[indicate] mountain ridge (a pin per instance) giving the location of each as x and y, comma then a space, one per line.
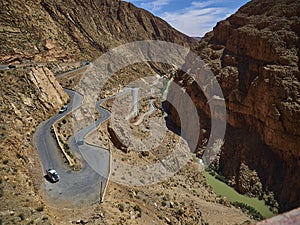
74, 30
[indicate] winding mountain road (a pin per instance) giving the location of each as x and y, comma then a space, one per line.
86, 185
74, 187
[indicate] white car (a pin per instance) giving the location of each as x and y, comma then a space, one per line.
53, 175
63, 109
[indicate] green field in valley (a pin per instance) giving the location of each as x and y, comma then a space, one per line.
220, 188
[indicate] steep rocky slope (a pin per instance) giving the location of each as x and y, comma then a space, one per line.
28, 97
47, 30
255, 56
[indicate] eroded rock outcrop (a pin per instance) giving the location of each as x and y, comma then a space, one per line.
255, 56
49, 91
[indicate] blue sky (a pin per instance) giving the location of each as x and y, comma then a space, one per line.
191, 17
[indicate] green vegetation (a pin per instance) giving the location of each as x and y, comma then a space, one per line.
166, 197
40, 208
232, 195
270, 200
58, 127
180, 212
22, 216
145, 153
67, 150
249, 210
66, 147
137, 208
1, 192
217, 176
121, 207
20, 156
267, 197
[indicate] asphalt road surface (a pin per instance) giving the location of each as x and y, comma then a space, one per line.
74, 187
73, 70
85, 186
3, 67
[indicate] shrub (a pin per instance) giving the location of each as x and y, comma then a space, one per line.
137, 208
40, 208
270, 200
166, 197
20, 156
22, 216
121, 207
145, 153
249, 210
180, 212
1, 193
66, 146
221, 178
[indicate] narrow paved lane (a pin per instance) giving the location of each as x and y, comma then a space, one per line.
87, 184
74, 187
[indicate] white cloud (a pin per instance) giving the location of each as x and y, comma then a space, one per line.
198, 18
155, 5
202, 4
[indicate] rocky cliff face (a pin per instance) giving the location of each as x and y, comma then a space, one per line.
28, 96
255, 56
48, 30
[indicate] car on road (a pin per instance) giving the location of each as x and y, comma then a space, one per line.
80, 142
11, 66
63, 109
52, 175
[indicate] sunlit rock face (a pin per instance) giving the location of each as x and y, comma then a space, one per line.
47, 30
255, 56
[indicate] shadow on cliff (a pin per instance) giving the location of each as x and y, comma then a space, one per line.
243, 149
169, 120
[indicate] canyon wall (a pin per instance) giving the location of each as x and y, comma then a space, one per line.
254, 54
